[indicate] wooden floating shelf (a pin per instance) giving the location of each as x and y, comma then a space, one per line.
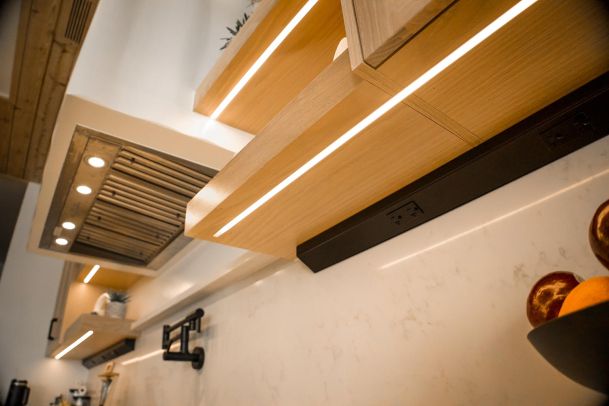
106, 332
542, 55
303, 55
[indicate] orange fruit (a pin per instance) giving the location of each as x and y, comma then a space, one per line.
586, 294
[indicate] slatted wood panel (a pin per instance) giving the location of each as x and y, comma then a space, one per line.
141, 206
137, 209
49, 39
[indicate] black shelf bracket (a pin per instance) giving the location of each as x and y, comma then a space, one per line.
190, 323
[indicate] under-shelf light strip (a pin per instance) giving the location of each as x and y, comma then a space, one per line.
384, 108
74, 344
91, 274
263, 57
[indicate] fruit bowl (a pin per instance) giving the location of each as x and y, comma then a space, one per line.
577, 344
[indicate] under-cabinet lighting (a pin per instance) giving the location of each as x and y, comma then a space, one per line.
96, 162
61, 241
384, 108
68, 225
263, 57
84, 189
91, 273
143, 357
74, 344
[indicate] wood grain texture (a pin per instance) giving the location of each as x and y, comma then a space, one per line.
44, 59
391, 153
547, 53
299, 59
386, 25
526, 65
109, 278
328, 89
39, 37
106, 332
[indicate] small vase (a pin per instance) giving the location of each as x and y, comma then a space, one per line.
116, 310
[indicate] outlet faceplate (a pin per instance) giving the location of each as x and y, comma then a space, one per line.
403, 214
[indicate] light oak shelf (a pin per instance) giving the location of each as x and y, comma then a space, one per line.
106, 332
550, 50
299, 59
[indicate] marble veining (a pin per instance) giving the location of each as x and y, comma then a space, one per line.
434, 316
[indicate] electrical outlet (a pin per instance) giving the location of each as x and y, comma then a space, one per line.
404, 213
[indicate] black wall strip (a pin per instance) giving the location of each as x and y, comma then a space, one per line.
114, 351
567, 125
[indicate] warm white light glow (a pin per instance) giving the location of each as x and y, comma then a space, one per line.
91, 274
388, 105
84, 189
61, 241
74, 344
68, 225
263, 57
142, 357
96, 162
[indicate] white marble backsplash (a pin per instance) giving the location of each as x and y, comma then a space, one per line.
435, 316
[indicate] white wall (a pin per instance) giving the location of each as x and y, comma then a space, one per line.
28, 289
9, 22
435, 316
146, 58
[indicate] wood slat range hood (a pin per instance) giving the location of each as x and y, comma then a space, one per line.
546, 52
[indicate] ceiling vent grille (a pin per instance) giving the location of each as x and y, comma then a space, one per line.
74, 19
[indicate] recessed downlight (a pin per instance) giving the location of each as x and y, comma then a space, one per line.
68, 225
84, 189
96, 162
61, 241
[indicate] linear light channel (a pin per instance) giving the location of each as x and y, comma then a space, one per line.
263, 57
384, 108
91, 274
74, 344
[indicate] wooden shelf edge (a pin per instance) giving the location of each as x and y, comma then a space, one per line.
106, 332
328, 89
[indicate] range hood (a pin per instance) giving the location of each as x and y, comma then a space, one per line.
134, 213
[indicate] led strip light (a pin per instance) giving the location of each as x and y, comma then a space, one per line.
74, 344
91, 274
263, 58
384, 108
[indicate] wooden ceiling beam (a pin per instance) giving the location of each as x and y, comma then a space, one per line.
44, 59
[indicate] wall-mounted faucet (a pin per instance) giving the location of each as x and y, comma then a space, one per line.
186, 325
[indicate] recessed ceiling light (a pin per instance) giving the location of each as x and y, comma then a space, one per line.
61, 241
96, 162
84, 189
68, 225
91, 274
384, 108
263, 57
